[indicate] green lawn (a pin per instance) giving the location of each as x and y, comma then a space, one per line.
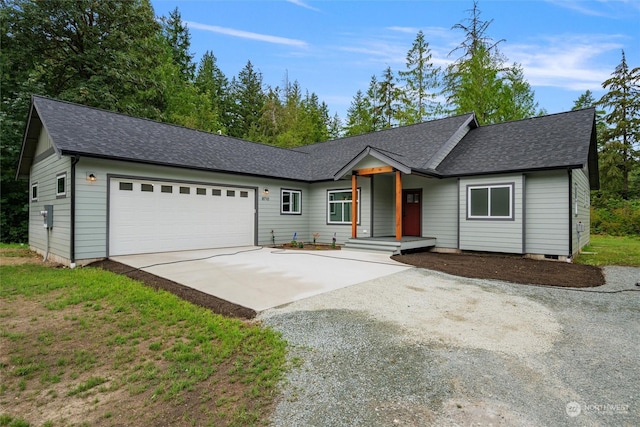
611, 250
125, 354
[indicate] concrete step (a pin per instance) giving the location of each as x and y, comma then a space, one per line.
373, 246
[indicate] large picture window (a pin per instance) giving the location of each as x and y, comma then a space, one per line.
290, 202
490, 201
340, 206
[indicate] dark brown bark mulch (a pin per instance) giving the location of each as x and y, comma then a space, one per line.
508, 268
194, 296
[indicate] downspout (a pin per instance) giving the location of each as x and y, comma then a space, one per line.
570, 215
524, 213
72, 215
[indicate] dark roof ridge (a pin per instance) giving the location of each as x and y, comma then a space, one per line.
537, 117
119, 113
386, 130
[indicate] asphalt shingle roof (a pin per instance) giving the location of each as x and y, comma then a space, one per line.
555, 141
547, 142
81, 130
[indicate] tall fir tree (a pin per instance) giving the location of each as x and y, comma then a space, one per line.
390, 98
620, 154
479, 80
211, 82
249, 98
421, 81
178, 37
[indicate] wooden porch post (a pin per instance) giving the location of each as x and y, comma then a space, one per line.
398, 206
354, 205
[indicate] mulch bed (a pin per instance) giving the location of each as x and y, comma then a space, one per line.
509, 268
194, 296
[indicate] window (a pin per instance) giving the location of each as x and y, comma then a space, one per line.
146, 188
244, 194
490, 202
216, 192
339, 206
166, 189
185, 190
201, 191
61, 185
34, 191
126, 186
290, 202
231, 193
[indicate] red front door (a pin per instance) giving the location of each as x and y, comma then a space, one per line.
411, 212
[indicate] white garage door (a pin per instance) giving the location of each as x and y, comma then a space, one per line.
152, 216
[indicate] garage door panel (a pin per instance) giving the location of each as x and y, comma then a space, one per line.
157, 221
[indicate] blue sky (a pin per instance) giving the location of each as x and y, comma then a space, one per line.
333, 47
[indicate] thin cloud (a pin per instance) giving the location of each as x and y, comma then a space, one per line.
616, 9
566, 61
303, 4
409, 30
247, 34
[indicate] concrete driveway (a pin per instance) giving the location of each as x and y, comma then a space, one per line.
262, 278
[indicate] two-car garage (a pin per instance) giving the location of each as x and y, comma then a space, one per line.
147, 216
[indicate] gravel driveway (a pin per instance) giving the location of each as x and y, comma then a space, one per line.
425, 348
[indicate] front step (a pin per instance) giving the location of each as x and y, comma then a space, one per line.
383, 246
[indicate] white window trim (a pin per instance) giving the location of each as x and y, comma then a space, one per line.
58, 178
35, 185
330, 205
291, 192
510, 186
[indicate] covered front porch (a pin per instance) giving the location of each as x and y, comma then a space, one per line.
389, 244
395, 214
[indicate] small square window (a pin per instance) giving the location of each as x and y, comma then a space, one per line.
201, 191
34, 191
61, 185
126, 186
146, 188
490, 202
216, 192
166, 189
185, 190
231, 193
244, 194
290, 202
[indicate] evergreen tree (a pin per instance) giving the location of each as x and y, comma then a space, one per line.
390, 98
620, 154
518, 99
373, 100
179, 39
211, 81
420, 83
249, 98
358, 116
103, 54
479, 81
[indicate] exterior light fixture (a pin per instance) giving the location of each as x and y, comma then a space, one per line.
265, 192
91, 177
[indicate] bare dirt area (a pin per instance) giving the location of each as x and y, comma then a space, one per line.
194, 296
508, 268
17, 256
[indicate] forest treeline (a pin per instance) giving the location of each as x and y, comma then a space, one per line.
119, 56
